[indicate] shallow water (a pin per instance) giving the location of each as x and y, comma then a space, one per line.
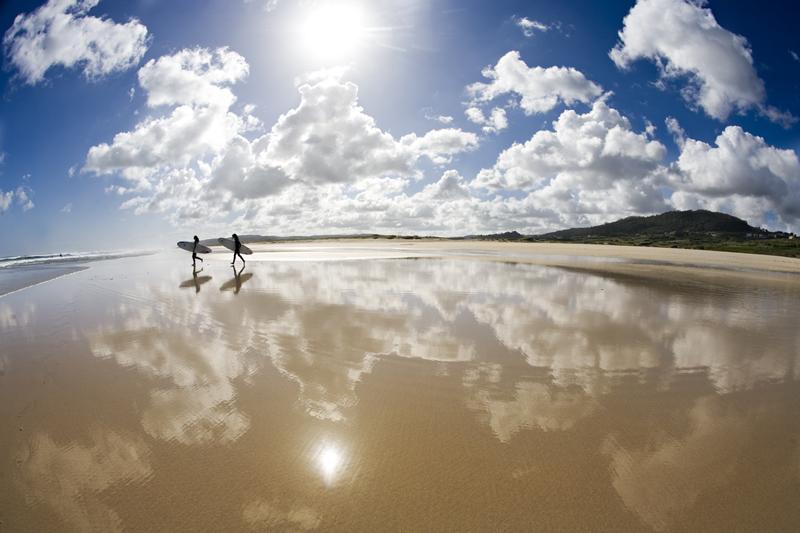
429, 394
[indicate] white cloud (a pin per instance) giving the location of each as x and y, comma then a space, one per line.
529, 27
196, 160
794, 55
685, 40
60, 33
443, 119
6, 198
326, 166
196, 81
540, 89
193, 76
495, 122
588, 169
22, 196
741, 174
441, 145
675, 129
593, 149
67, 208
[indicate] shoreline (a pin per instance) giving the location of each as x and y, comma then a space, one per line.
16, 279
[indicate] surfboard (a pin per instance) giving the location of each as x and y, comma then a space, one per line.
229, 244
189, 246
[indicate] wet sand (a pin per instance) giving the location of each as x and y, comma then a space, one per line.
18, 278
420, 386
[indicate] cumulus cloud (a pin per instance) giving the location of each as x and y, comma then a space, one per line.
740, 174
196, 158
540, 89
591, 163
685, 40
196, 81
493, 123
61, 33
193, 76
441, 145
328, 165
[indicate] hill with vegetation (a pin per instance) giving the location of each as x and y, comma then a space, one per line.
704, 230
670, 223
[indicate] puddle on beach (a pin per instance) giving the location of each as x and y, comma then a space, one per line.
397, 394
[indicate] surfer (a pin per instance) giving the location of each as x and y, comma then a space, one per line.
194, 252
237, 249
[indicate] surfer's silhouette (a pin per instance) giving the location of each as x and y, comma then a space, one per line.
194, 252
237, 249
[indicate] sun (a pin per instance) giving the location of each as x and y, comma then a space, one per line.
332, 30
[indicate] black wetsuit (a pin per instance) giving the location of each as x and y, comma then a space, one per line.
237, 247
194, 253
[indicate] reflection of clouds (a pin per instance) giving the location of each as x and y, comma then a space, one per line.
17, 316
270, 516
535, 405
662, 483
167, 342
69, 477
584, 328
749, 358
324, 325
327, 349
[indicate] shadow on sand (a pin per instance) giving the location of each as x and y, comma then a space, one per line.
236, 282
195, 282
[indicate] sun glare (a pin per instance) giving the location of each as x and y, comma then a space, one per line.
333, 30
330, 461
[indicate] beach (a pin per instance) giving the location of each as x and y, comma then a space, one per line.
414, 385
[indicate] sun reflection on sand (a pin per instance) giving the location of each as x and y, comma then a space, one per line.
329, 458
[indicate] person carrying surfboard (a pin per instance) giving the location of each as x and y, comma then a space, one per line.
237, 249
194, 251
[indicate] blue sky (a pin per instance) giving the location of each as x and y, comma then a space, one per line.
297, 117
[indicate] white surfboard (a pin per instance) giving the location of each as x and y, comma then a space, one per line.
189, 246
230, 245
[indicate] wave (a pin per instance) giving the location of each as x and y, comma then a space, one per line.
51, 259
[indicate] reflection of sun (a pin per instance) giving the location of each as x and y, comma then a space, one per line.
332, 30
330, 461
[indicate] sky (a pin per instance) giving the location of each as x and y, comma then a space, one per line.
133, 124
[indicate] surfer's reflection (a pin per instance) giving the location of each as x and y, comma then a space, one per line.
196, 281
236, 282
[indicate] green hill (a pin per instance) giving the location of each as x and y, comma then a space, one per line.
680, 223
704, 230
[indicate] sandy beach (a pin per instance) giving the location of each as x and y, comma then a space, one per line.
403, 385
